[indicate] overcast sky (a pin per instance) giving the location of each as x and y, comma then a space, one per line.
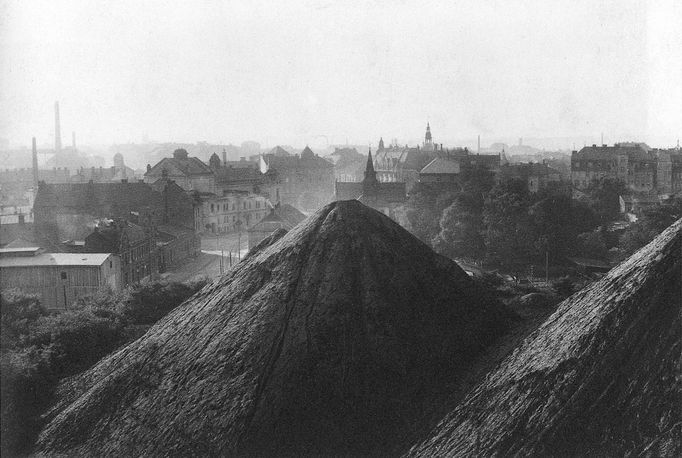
294, 72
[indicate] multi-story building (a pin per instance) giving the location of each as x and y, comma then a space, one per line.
231, 212
305, 181
68, 211
134, 245
642, 169
190, 173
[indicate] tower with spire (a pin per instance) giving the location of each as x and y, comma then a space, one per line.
381, 144
428, 140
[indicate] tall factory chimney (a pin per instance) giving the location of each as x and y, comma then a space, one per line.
35, 164
478, 150
73, 140
57, 129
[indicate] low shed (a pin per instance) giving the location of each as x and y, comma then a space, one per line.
59, 278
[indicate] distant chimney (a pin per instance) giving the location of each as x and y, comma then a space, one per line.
57, 129
478, 151
35, 164
73, 139
224, 156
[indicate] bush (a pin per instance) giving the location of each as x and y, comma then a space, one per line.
18, 311
150, 302
39, 349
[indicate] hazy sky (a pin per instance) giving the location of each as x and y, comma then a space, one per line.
291, 72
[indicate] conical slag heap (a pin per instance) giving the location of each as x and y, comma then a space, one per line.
600, 378
323, 341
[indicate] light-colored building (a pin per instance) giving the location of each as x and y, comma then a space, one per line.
231, 212
59, 278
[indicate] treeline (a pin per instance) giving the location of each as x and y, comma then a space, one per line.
39, 348
505, 225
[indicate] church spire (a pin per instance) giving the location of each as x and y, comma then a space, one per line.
427, 137
381, 144
370, 173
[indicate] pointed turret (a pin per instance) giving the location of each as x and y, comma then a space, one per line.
381, 144
427, 137
370, 173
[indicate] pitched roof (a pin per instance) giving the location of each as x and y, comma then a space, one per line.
90, 196
297, 163
279, 151
634, 152
441, 166
286, 214
56, 259
188, 167
228, 174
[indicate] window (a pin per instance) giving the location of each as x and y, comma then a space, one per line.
212, 209
63, 275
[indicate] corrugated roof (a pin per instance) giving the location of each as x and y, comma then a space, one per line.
56, 259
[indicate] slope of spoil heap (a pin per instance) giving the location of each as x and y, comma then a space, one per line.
601, 377
324, 340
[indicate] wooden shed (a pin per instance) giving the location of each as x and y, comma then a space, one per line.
59, 278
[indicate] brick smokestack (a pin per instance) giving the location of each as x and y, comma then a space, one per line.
35, 164
57, 129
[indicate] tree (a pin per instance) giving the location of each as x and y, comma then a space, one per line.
424, 208
604, 198
652, 222
461, 225
509, 235
592, 245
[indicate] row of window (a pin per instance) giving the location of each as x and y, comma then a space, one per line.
215, 208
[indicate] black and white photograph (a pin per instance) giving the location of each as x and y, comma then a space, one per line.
318, 228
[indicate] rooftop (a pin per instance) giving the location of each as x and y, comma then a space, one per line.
56, 259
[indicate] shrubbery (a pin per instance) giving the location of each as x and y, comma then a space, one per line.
40, 348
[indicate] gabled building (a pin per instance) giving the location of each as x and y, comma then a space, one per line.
134, 245
68, 211
306, 181
279, 217
441, 170
385, 197
190, 173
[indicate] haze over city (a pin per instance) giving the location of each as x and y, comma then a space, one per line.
315, 72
